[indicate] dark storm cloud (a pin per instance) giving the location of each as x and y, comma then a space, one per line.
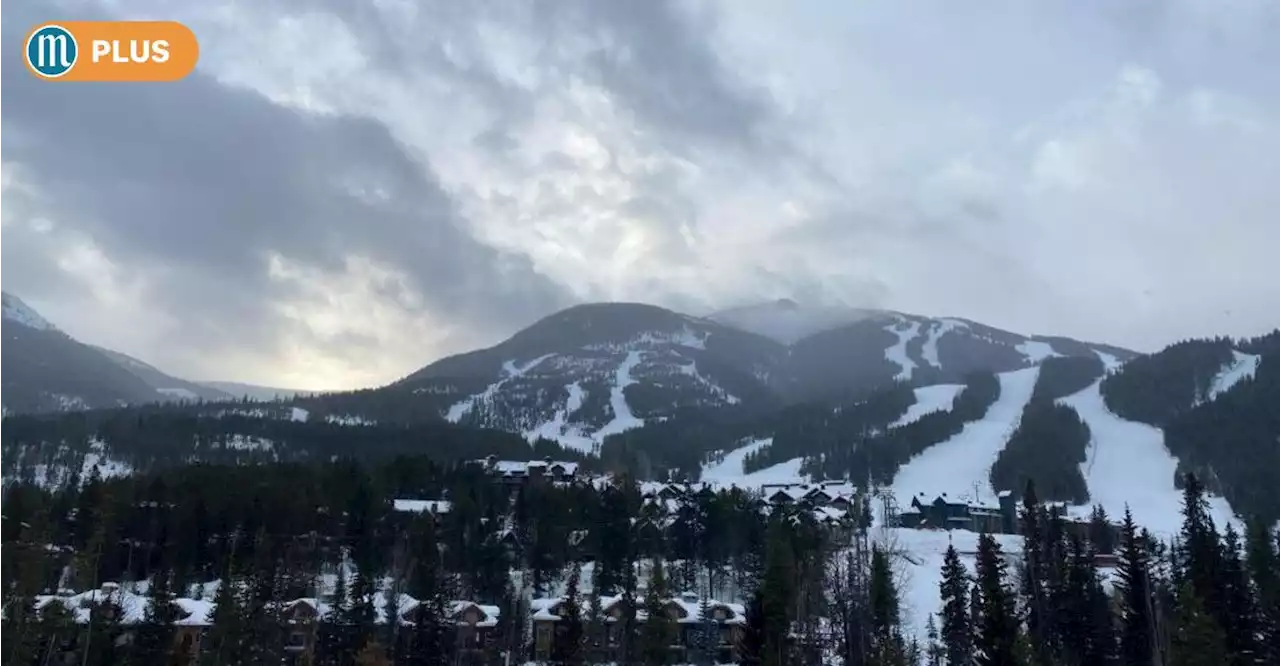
200, 183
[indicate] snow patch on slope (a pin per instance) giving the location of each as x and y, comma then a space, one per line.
1036, 350
1128, 464
1242, 365
691, 369
961, 466
897, 354
623, 419
929, 399
728, 468
930, 350
180, 393
299, 414
19, 312
559, 429
510, 370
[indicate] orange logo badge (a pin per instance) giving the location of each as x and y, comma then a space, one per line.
111, 51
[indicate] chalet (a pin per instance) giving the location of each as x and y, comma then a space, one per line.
950, 514
192, 617
686, 612
517, 472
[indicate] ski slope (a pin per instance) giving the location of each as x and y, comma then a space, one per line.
1128, 464
929, 399
897, 354
623, 419
1036, 351
511, 371
728, 469
1242, 365
930, 350
961, 466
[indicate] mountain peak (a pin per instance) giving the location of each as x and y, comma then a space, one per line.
19, 312
787, 321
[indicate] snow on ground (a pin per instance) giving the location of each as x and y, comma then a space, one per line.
348, 420
180, 393
918, 564
1109, 362
1128, 464
691, 369
783, 472
510, 370
248, 443
930, 350
558, 428
1036, 351
929, 399
728, 469
961, 466
898, 352
299, 414
623, 419
16, 310
1242, 365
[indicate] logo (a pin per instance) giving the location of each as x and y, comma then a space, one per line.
51, 51
111, 51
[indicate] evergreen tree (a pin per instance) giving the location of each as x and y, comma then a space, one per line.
1264, 570
752, 644
957, 631
998, 635
1197, 639
155, 637
887, 645
567, 648
1133, 585
935, 654
778, 590
1239, 610
658, 630
1034, 576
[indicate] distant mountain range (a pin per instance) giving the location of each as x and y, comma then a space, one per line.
47, 370
774, 391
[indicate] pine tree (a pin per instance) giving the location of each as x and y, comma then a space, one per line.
658, 632
567, 648
998, 633
887, 645
957, 632
1034, 577
1137, 622
1239, 610
936, 652
155, 637
778, 591
1197, 639
752, 644
1264, 571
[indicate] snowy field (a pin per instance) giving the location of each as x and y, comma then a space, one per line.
929, 399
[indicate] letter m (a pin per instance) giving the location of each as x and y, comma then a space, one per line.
52, 51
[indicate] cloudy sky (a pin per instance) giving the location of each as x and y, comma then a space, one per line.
347, 189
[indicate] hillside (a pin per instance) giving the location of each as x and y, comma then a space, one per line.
592, 371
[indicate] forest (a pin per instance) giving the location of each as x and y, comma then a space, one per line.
257, 541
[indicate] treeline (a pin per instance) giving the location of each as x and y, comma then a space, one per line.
1156, 388
164, 438
814, 429
879, 456
1233, 441
1207, 598
1051, 440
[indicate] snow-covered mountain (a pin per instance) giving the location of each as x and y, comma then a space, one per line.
595, 370
47, 370
18, 311
787, 321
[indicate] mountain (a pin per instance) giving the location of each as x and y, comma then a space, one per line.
787, 321
595, 370
167, 385
48, 370
252, 391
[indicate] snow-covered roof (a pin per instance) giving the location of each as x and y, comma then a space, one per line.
133, 606
688, 607
521, 467
418, 506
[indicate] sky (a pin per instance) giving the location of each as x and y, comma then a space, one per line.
345, 190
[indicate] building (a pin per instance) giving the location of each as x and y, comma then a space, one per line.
952, 514
685, 612
520, 472
192, 617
